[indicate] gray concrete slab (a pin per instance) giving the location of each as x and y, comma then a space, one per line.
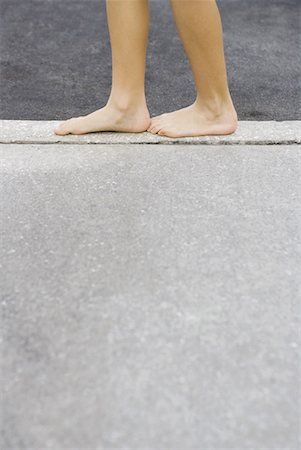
248, 132
150, 297
55, 59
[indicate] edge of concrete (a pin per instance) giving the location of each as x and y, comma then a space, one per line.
248, 132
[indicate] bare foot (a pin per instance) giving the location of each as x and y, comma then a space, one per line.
195, 120
132, 119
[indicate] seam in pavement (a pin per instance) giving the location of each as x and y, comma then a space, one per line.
247, 133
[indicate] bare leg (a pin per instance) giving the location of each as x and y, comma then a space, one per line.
126, 108
200, 29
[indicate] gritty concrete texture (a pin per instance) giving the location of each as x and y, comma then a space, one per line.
248, 132
150, 297
56, 61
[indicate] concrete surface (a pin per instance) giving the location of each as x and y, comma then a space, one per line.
55, 59
150, 297
248, 132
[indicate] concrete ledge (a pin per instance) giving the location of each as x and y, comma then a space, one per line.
248, 132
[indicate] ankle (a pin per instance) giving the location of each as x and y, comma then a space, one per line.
216, 105
125, 102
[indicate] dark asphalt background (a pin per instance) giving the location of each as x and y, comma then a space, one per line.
55, 59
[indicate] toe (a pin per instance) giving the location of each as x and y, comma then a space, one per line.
168, 132
152, 127
63, 128
153, 123
59, 130
156, 128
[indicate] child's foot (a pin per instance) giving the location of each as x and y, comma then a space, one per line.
195, 120
132, 119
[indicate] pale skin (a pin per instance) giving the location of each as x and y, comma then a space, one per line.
200, 29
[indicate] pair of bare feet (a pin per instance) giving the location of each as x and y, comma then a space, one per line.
194, 120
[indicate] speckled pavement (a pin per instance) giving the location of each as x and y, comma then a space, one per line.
55, 59
149, 297
248, 132
150, 294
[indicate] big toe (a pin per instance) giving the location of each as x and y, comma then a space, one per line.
64, 128
168, 132
61, 130
155, 126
